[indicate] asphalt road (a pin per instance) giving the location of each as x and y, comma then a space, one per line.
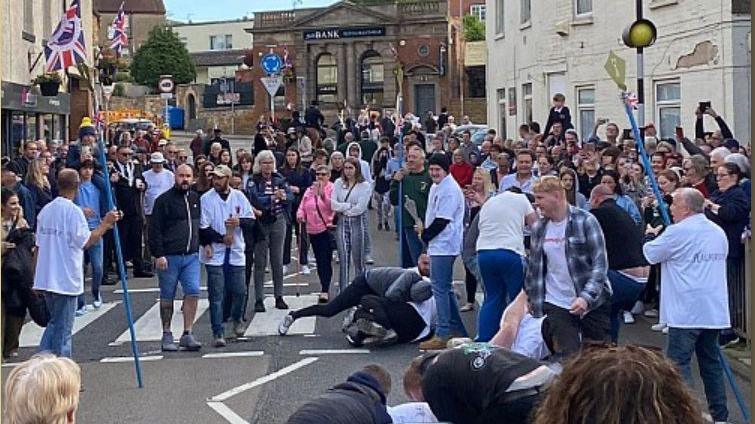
267, 379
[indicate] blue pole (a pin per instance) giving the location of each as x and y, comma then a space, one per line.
401, 200
121, 265
666, 220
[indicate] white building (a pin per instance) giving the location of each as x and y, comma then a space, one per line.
537, 48
216, 47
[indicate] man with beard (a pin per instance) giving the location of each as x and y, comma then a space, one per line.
174, 242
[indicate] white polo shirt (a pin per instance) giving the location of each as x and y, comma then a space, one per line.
692, 254
446, 201
501, 222
157, 184
62, 233
215, 211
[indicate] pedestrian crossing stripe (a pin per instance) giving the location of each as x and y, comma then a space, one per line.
31, 333
149, 327
266, 323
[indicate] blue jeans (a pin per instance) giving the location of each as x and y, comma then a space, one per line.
626, 291
57, 336
183, 268
682, 342
441, 274
217, 284
502, 273
412, 248
93, 256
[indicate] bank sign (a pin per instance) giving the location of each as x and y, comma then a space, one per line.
336, 33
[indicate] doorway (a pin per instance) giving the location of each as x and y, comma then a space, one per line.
424, 99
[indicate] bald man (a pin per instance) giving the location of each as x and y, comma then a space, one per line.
627, 268
62, 236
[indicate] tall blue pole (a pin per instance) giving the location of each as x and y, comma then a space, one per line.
119, 259
400, 210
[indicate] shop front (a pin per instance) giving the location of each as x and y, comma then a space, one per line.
27, 115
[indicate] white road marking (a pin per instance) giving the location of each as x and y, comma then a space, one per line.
262, 380
269, 285
117, 359
148, 290
149, 327
31, 333
332, 351
266, 323
227, 413
251, 353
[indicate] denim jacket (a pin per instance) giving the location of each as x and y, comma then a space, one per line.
585, 255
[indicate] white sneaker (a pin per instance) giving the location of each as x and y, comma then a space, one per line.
658, 327
638, 308
628, 317
665, 330
285, 269
651, 313
82, 311
305, 270
285, 324
97, 303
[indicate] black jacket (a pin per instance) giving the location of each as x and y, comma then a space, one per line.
623, 237
128, 197
313, 117
563, 116
732, 217
171, 231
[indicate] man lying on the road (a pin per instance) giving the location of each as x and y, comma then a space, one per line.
395, 284
520, 331
381, 321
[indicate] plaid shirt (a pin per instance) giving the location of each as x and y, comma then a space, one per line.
585, 255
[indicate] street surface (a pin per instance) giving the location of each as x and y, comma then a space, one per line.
260, 378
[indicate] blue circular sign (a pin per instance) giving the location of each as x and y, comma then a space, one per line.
271, 63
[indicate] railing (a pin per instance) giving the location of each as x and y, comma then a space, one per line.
739, 296
280, 19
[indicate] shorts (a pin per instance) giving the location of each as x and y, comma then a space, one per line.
183, 268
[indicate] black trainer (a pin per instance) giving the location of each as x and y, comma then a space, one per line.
280, 304
259, 306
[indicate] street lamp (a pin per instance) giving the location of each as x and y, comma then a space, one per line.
640, 34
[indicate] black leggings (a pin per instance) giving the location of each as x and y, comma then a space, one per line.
399, 316
470, 281
321, 245
348, 298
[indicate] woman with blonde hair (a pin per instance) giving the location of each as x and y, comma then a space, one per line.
476, 195
39, 185
44, 389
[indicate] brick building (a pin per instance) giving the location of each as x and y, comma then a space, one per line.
356, 53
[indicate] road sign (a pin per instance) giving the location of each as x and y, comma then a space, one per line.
166, 84
616, 68
166, 96
271, 63
272, 84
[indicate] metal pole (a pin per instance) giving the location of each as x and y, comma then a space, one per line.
272, 108
640, 80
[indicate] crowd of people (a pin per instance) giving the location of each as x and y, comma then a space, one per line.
565, 237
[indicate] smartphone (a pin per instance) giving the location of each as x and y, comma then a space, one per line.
704, 106
679, 133
627, 134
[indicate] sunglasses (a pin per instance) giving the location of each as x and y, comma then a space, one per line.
183, 157
322, 174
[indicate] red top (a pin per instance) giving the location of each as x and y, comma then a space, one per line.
462, 173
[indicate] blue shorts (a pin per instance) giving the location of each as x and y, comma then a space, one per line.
183, 268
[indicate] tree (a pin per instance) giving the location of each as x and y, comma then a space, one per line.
162, 53
474, 28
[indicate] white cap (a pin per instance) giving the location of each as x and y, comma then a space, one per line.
156, 157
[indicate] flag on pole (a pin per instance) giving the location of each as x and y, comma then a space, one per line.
66, 46
118, 37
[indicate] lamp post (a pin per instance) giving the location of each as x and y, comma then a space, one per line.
640, 34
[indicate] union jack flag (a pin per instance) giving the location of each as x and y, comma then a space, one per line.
118, 37
66, 46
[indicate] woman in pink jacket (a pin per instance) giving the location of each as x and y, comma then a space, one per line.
315, 210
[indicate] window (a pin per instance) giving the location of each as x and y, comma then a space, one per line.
586, 111
668, 107
29, 16
499, 16
478, 10
527, 104
372, 78
221, 42
228, 41
512, 101
582, 7
501, 96
476, 81
526, 11
326, 89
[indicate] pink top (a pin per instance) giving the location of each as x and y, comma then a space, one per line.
308, 209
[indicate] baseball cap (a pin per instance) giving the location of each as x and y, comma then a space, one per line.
222, 171
162, 142
157, 157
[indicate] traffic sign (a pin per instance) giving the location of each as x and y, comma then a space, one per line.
272, 84
617, 69
166, 96
271, 63
166, 84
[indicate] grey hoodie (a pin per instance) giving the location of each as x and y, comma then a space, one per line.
398, 284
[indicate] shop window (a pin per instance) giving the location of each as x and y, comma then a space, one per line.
326, 89
372, 78
476, 81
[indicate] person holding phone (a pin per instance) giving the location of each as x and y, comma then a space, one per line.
718, 137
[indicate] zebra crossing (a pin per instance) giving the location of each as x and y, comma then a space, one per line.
148, 325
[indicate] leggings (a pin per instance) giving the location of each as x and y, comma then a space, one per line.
348, 298
302, 238
351, 236
383, 207
470, 281
323, 257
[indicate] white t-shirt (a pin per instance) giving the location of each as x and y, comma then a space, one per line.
511, 180
62, 233
157, 184
411, 413
529, 339
446, 201
559, 286
427, 311
501, 222
215, 211
692, 254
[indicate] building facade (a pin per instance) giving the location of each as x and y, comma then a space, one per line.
141, 17
360, 54
26, 114
537, 48
216, 47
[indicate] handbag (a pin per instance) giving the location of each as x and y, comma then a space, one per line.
331, 237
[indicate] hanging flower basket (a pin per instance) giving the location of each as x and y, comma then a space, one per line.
49, 83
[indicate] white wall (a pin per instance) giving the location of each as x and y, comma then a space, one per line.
529, 54
197, 35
